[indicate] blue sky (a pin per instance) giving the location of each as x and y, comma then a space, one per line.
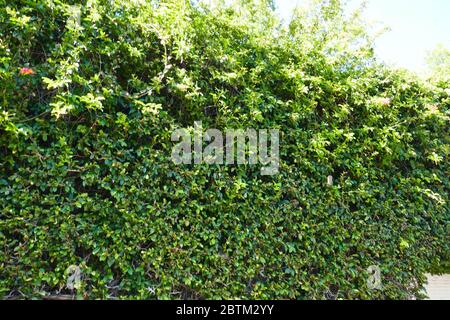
417, 26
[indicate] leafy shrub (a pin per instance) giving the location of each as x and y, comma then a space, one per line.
86, 177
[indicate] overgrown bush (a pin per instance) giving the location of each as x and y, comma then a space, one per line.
90, 93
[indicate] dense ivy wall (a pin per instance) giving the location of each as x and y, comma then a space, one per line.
89, 97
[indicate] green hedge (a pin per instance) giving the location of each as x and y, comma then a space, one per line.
86, 177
